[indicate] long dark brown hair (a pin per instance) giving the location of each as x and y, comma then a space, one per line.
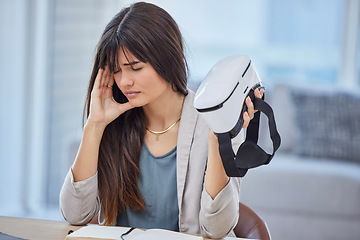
152, 36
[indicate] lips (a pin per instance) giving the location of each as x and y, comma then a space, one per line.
131, 94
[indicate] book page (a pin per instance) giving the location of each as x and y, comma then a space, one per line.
161, 234
101, 233
114, 233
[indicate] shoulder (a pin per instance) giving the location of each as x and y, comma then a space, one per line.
191, 124
189, 114
189, 101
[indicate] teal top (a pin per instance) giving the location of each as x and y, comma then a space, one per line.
157, 184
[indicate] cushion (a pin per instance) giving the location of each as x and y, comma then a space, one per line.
300, 185
328, 123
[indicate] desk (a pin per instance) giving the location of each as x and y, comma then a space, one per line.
36, 229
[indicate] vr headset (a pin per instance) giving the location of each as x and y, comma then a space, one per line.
220, 100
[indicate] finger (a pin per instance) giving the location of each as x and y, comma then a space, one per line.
258, 93
98, 78
246, 120
109, 80
262, 92
105, 78
250, 107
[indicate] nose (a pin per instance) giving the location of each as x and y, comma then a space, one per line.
123, 79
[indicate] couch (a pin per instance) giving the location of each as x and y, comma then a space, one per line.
311, 188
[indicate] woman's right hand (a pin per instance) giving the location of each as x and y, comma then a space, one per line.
103, 107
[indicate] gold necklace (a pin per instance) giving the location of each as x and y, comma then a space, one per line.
158, 133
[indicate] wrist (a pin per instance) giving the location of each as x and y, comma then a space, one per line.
213, 141
95, 126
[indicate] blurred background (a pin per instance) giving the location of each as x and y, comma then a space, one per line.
46, 55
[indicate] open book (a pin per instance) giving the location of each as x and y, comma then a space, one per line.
114, 233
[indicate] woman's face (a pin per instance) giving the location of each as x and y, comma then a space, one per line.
138, 81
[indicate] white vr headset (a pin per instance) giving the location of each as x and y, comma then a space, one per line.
220, 100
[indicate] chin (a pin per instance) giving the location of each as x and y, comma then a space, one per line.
137, 103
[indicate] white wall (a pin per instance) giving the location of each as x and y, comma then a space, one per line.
13, 70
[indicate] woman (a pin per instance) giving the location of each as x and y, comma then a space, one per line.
146, 159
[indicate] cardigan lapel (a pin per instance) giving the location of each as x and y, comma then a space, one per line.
187, 125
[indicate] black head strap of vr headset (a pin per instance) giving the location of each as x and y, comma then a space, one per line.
249, 154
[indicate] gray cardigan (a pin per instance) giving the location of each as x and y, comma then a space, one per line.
198, 212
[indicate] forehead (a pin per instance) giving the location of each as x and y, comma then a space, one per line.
125, 56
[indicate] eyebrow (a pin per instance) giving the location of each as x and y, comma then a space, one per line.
131, 63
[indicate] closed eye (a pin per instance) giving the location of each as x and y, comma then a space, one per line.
132, 64
136, 69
